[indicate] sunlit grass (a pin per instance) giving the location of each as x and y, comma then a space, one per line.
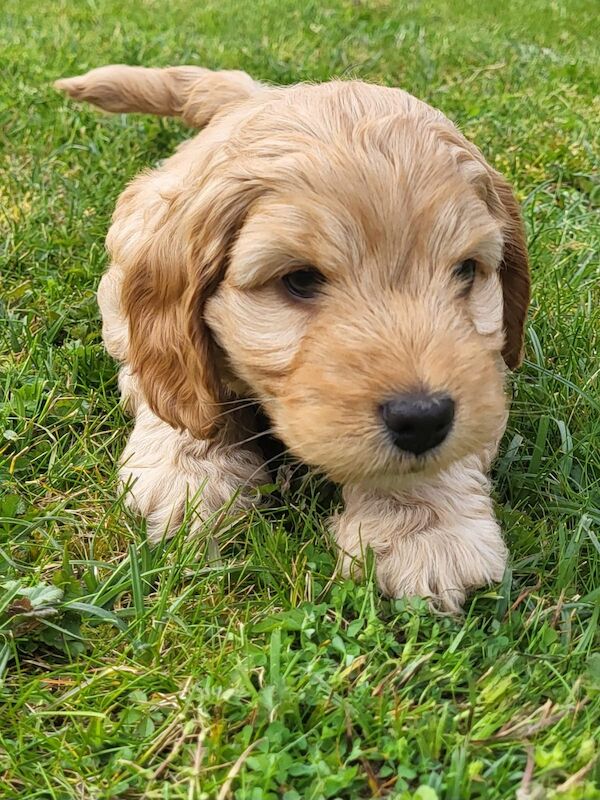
182, 673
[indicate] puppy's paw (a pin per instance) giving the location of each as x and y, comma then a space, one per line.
420, 551
162, 494
165, 472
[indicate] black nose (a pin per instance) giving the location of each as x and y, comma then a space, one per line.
418, 422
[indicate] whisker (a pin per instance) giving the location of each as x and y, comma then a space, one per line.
266, 463
236, 400
240, 407
268, 432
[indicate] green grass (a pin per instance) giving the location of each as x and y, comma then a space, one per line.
130, 673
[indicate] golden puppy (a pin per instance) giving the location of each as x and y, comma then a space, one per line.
341, 254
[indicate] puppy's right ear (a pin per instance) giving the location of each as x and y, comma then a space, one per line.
169, 272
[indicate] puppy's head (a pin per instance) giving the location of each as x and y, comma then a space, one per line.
342, 254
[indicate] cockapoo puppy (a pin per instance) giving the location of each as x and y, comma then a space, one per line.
342, 255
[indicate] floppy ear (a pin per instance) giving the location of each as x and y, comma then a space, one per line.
514, 269
168, 278
514, 272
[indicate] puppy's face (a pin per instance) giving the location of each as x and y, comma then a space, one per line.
342, 310
361, 295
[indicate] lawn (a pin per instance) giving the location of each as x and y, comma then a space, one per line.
127, 672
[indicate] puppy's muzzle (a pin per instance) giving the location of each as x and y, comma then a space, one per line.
418, 422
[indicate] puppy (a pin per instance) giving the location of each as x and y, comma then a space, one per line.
343, 256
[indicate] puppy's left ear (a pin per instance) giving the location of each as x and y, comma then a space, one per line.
514, 271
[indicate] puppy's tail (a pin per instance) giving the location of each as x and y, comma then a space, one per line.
192, 93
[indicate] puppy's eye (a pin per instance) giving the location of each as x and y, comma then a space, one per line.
303, 284
465, 272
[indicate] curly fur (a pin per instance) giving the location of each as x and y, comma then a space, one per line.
384, 195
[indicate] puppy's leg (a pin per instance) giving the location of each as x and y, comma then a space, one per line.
436, 539
164, 469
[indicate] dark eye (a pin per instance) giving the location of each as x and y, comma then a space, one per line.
465, 272
303, 283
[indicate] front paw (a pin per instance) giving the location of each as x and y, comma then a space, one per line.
163, 494
421, 553
443, 565
166, 477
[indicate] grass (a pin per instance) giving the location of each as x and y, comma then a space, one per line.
129, 672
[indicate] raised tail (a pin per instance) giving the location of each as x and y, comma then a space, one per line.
193, 93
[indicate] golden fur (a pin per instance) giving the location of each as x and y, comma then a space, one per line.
384, 195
